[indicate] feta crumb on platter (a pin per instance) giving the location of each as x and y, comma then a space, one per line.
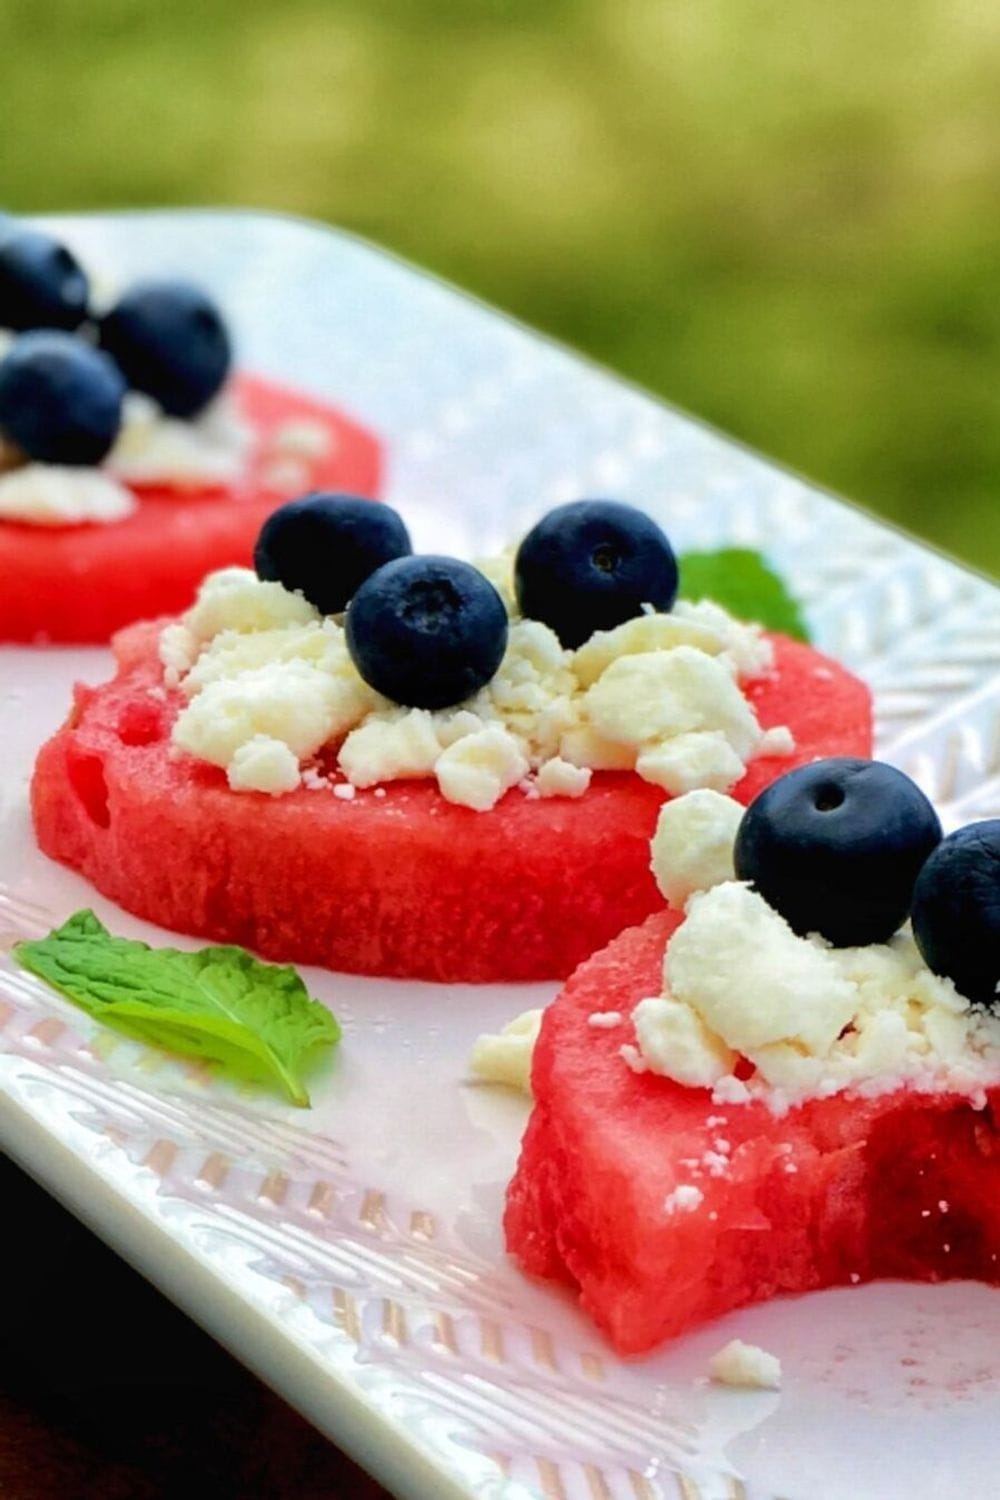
505, 1057
745, 1365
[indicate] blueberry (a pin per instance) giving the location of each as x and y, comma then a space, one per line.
325, 546
427, 632
836, 846
60, 399
956, 911
170, 341
592, 565
41, 284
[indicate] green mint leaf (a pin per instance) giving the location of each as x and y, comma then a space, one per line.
741, 581
254, 1019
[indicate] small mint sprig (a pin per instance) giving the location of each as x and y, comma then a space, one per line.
254, 1020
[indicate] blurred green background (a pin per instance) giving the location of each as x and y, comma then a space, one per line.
785, 217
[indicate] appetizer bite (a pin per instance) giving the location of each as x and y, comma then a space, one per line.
389, 764
134, 459
774, 1085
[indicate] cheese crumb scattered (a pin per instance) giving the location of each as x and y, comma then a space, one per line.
236, 599
394, 749
304, 438
559, 778
674, 1040
605, 1020
692, 848
746, 1365
62, 495
740, 967
287, 701
264, 765
476, 771
506, 1057
684, 1199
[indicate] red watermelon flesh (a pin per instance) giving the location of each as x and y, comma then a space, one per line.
837, 1191
397, 881
82, 583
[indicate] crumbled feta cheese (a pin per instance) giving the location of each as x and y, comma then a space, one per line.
178, 652
689, 761
811, 1020
304, 438
287, 701
286, 473
499, 569
57, 495
605, 1020
633, 1058
739, 966
637, 637
747, 647
212, 448
583, 746
506, 1057
657, 695
476, 770
642, 699
263, 765
559, 778
684, 1199
746, 1365
777, 741
692, 848
236, 599
675, 1041
346, 791
391, 749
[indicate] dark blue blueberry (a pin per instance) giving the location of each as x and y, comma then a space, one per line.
836, 846
41, 284
325, 546
60, 399
592, 565
956, 911
427, 632
170, 341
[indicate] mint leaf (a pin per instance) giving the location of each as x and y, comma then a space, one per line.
741, 581
255, 1019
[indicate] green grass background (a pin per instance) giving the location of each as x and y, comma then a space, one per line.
783, 216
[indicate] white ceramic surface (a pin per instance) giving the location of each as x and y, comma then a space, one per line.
351, 1254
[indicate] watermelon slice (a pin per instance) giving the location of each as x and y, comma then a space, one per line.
839, 1190
81, 583
396, 881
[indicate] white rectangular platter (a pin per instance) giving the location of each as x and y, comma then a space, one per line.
352, 1254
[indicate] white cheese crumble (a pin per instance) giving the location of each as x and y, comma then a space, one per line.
660, 695
263, 764
605, 1020
212, 448
692, 848
683, 1200
811, 1020
560, 778
505, 1057
745, 1365
62, 495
